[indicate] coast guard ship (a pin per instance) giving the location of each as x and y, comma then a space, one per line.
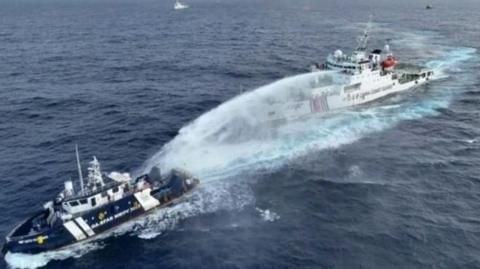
356, 78
105, 202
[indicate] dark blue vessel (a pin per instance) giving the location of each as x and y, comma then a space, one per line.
105, 202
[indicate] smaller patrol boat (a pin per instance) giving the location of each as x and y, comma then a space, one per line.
105, 202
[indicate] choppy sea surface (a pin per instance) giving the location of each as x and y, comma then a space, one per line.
391, 184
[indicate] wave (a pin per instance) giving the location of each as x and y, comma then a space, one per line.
31, 261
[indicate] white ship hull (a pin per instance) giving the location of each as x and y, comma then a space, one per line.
336, 97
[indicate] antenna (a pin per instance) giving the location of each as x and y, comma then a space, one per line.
362, 40
79, 168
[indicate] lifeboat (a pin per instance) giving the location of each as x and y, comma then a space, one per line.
389, 63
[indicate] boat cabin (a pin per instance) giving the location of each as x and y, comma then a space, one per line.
359, 62
105, 195
96, 193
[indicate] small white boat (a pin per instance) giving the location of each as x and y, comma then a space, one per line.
178, 5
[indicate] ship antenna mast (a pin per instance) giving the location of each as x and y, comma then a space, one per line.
80, 176
363, 39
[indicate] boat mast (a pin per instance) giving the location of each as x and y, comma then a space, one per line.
79, 169
362, 40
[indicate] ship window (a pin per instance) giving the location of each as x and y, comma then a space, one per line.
83, 201
93, 201
104, 194
115, 190
73, 203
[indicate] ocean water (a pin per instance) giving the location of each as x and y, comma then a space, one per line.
391, 184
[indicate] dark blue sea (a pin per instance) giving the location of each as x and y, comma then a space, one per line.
391, 184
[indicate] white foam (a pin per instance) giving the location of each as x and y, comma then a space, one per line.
449, 60
207, 199
32, 261
355, 171
267, 215
149, 235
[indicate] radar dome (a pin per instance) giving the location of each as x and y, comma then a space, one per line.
387, 47
338, 53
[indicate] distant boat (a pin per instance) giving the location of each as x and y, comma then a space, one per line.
179, 5
429, 6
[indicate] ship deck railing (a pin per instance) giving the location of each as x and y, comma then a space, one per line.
87, 193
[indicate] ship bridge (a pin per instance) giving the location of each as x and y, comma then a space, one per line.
350, 64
